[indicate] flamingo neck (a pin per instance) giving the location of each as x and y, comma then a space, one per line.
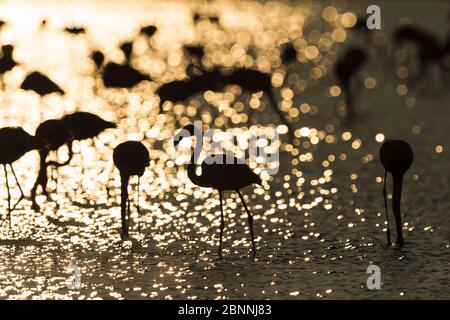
192, 166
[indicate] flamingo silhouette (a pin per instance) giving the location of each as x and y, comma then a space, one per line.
428, 46
98, 58
131, 158
148, 31
14, 143
116, 75
40, 84
127, 49
222, 172
84, 125
7, 61
195, 52
53, 134
346, 69
288, 53
180, 90
75, 30
396, 156
254, 81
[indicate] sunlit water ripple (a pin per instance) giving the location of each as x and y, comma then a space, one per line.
318, 221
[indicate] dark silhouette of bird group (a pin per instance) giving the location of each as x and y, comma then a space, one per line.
222, 172
58, 132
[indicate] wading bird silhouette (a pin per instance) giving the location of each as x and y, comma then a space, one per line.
346, 69
84, 125
40, 84
214, 80
7, 61
75, 30
428, 47
222, 172
195, 53
14, 143
148, 31
116, 75
127, 49
396, 156
131, 158
288, 53
98, 58
255, 81
180, 90
53, 134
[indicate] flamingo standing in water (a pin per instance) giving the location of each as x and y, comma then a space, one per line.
84, 125
396, 156
131, 158
53, 134
222, 172
14, 143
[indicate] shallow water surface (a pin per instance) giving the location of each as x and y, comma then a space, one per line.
319, 222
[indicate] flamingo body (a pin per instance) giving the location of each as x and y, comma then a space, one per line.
40, 84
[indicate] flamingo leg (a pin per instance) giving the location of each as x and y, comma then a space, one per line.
123, 203
128, 214
137, 206
9, 196
222, 223
388, 233
22, 195
250, 221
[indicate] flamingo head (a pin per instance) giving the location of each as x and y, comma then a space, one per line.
186, 132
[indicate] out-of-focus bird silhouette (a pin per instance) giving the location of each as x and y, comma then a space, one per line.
396, 156
53, 134
181, 90
75, 30
428, 47
149, 30
131, 158
288, 53
346, 69
98, 57
127, 49
116, 75
14, 143
7, 60
256, 81
197, 17
222, 172
215, 80
41, 84
195, 53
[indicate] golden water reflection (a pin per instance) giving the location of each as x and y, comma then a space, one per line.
307, 217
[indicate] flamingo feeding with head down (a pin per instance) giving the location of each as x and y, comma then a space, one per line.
396, 156
131, 158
